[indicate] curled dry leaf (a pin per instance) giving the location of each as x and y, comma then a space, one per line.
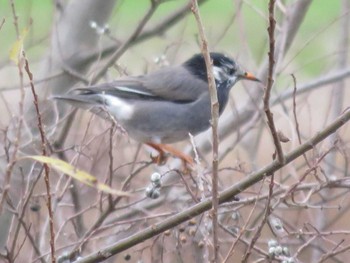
283, 138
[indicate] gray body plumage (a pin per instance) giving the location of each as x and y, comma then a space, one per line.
160, 107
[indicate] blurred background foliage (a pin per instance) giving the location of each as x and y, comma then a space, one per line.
312, 52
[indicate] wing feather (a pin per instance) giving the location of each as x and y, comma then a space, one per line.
170, 84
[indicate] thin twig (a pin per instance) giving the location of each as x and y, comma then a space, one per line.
46, 167
110, 153
15, 18
295, 116
214, 106
269, 115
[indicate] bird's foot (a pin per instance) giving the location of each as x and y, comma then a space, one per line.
160, 159
165, 149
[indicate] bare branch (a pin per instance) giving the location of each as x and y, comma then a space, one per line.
214, 106
269, 115
46, 167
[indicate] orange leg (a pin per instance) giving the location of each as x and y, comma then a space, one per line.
164, 148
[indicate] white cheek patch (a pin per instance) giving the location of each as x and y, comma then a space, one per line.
233, 80
219, 74
120, 109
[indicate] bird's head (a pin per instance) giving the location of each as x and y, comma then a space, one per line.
226, 71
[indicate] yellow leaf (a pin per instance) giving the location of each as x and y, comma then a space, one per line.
17, 47
77, 174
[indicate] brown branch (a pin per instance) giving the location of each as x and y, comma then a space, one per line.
267, 94
214, 106
295, 116
15, 18
225, 196
111, 160
46, 167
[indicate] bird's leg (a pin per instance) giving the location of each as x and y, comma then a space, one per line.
162, 157
184, 157
164, 148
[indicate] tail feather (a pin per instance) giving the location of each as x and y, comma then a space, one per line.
98, 102
91, 102
82, 98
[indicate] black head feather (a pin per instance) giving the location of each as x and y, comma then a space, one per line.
196, 64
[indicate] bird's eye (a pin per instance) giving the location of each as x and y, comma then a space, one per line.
231, 71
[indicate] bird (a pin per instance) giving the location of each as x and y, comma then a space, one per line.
164, 106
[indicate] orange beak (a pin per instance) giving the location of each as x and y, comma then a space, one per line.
249, 76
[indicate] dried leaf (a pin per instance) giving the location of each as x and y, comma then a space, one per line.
77, 174
17, 47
